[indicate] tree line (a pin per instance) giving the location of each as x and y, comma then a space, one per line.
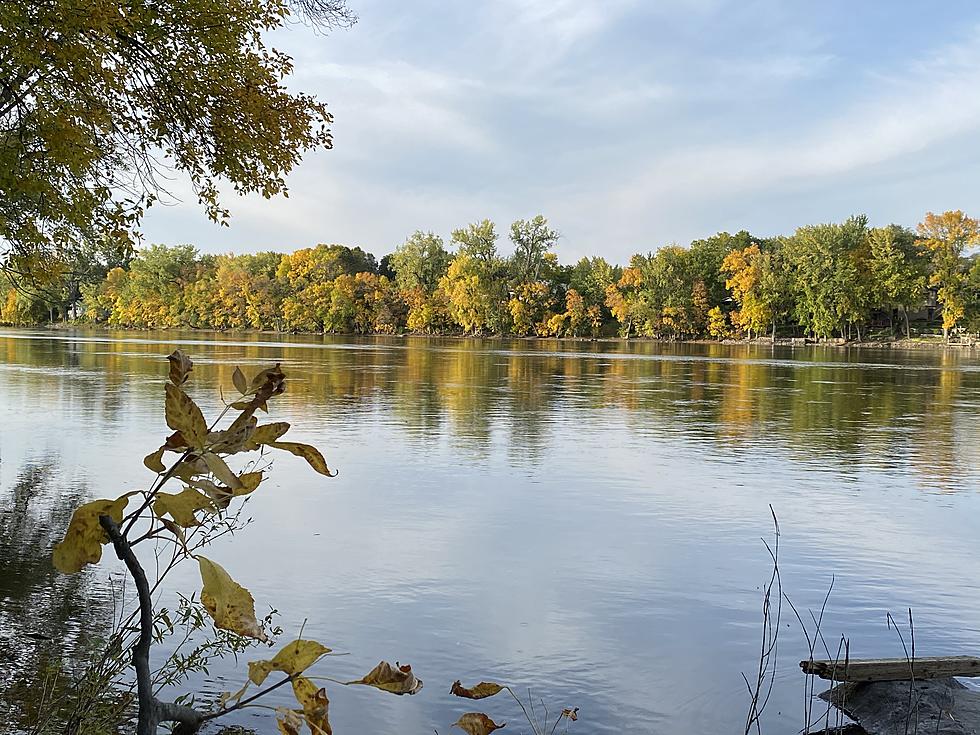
828, 280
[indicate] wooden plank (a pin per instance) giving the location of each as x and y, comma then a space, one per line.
894, 669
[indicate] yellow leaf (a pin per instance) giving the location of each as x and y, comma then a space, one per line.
480, 691
184, 416
477, 723
396, 679
250, 481
293, 658
238, 378
182, 506
310, 454
221, 470
315, 705
84, 538
180, 366
288, 721
231, 605
154, 462
268, 433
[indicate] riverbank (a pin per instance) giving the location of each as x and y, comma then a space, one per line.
931, 342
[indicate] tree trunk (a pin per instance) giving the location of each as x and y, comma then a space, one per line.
908, 329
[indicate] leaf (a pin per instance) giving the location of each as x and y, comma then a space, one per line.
84, 538
249, 482
181, 506
477, 723
396, 679
231, 605
184, 416
221, 470
293, 658
238, 378
180, 367
176, 531
570, 714
268, 433
154, 462
288, 721
315, 705
481, 691
310, 454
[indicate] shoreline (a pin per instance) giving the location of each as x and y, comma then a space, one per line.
916, 343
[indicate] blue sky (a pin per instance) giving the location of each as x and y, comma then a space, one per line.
630, 125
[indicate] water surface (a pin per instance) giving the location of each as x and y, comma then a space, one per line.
584, 519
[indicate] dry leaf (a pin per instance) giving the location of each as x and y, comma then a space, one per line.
221, 470
183, 415
477, 723
570, 714
310, 454
288, 721
231, 605
84, 538
480, 691
154, 462
180, 367
181, 507
396, 679
293, 658
315, 705
238, 378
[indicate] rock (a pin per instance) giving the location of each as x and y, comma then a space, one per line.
938, 707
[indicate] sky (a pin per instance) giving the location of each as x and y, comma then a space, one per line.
628, 124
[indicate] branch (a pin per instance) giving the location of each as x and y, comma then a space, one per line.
151, 710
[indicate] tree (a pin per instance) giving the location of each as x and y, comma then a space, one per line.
186, 523
479, 242
420, 262
946, 236
532, 239
744, 270
100, 102
898, 270
831, 289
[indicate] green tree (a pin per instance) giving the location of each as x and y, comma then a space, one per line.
898, 270
478, 241
532, 239
420, 262
100, 101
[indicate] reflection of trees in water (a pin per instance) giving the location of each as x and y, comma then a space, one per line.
814, 402
49, 621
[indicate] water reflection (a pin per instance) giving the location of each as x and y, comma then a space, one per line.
579, 517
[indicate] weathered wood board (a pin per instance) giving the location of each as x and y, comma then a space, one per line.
894, 669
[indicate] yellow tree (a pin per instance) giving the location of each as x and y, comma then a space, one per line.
742, 268
946, 236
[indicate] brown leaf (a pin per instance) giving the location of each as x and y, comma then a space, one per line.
267, 433
238, 378
288, 721
310, 454
477, 723
570, 714
396, 679
481, 691
184, 416
180, 367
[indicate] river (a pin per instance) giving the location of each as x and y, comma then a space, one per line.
584, 519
